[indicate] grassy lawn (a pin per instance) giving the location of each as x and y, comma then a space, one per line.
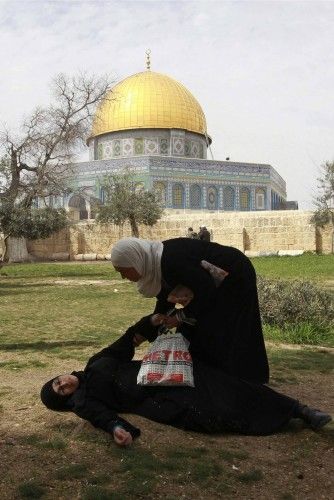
317, 268
307, 266
54, 316
85, 302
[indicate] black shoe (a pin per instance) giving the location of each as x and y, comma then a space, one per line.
316, 419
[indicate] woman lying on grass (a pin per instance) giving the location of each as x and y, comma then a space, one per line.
218, 402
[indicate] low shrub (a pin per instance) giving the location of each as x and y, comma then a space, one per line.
291, 303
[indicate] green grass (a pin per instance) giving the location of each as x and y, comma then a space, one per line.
40, 314
73, 471
58, 313
231, 456
98, 493
100, 270
301, 360
56, 443
304, 333
307, 266
16, 365
251, 476
31, 490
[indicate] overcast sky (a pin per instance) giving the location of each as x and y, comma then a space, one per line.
263, 71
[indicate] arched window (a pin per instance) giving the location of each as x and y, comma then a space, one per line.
195, 196
212, 198
160, 191
102, 195
178, 196
244, 199
78, 205
260, 199
229, 198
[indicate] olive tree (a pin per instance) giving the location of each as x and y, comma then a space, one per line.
124, 202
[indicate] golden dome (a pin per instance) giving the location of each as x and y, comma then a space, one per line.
149, 100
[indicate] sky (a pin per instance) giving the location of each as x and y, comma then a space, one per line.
263, 71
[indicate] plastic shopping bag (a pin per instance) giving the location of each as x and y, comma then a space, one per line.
167, 362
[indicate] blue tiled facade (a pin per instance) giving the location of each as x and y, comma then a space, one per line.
189, 183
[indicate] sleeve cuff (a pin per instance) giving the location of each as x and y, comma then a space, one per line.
134, 431
145, 328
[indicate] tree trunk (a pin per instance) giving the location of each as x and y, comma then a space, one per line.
16, 250
134, 227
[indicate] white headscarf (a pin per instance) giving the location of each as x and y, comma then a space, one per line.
145, 257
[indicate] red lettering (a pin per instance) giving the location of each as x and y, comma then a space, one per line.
181, 356
176, 378
177, 355
154, 377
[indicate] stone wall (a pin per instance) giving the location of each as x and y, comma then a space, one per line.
252, 232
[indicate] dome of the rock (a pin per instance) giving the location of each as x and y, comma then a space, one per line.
149, 100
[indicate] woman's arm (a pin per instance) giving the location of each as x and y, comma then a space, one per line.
197, 279
123, 348
102, 417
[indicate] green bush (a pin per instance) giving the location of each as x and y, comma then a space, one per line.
291, 303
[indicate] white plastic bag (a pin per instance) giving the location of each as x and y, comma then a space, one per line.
167, 362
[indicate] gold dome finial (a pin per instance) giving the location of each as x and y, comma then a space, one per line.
148, 59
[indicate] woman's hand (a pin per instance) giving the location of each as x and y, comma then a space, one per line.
184, 300
162, 319
122, 437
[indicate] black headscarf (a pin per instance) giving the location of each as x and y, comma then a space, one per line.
54, 401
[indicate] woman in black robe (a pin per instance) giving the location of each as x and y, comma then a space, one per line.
228, 332
218, 402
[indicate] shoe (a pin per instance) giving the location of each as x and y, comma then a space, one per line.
316, 419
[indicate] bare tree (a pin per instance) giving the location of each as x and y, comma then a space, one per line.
38, 161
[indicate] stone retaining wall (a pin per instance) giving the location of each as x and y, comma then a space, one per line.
251, 232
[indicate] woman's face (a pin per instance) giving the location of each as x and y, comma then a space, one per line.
129, 273
64, 385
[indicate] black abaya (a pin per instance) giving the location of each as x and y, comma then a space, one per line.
218, 402
228, 333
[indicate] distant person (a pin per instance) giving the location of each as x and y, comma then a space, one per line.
228, 332
218, 402
192, 234
204, 234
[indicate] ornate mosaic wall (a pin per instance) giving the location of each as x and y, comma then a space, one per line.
193, 183
130, 143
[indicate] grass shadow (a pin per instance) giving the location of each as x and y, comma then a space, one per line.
45, 346
7, 289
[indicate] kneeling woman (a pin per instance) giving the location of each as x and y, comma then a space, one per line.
218, 402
